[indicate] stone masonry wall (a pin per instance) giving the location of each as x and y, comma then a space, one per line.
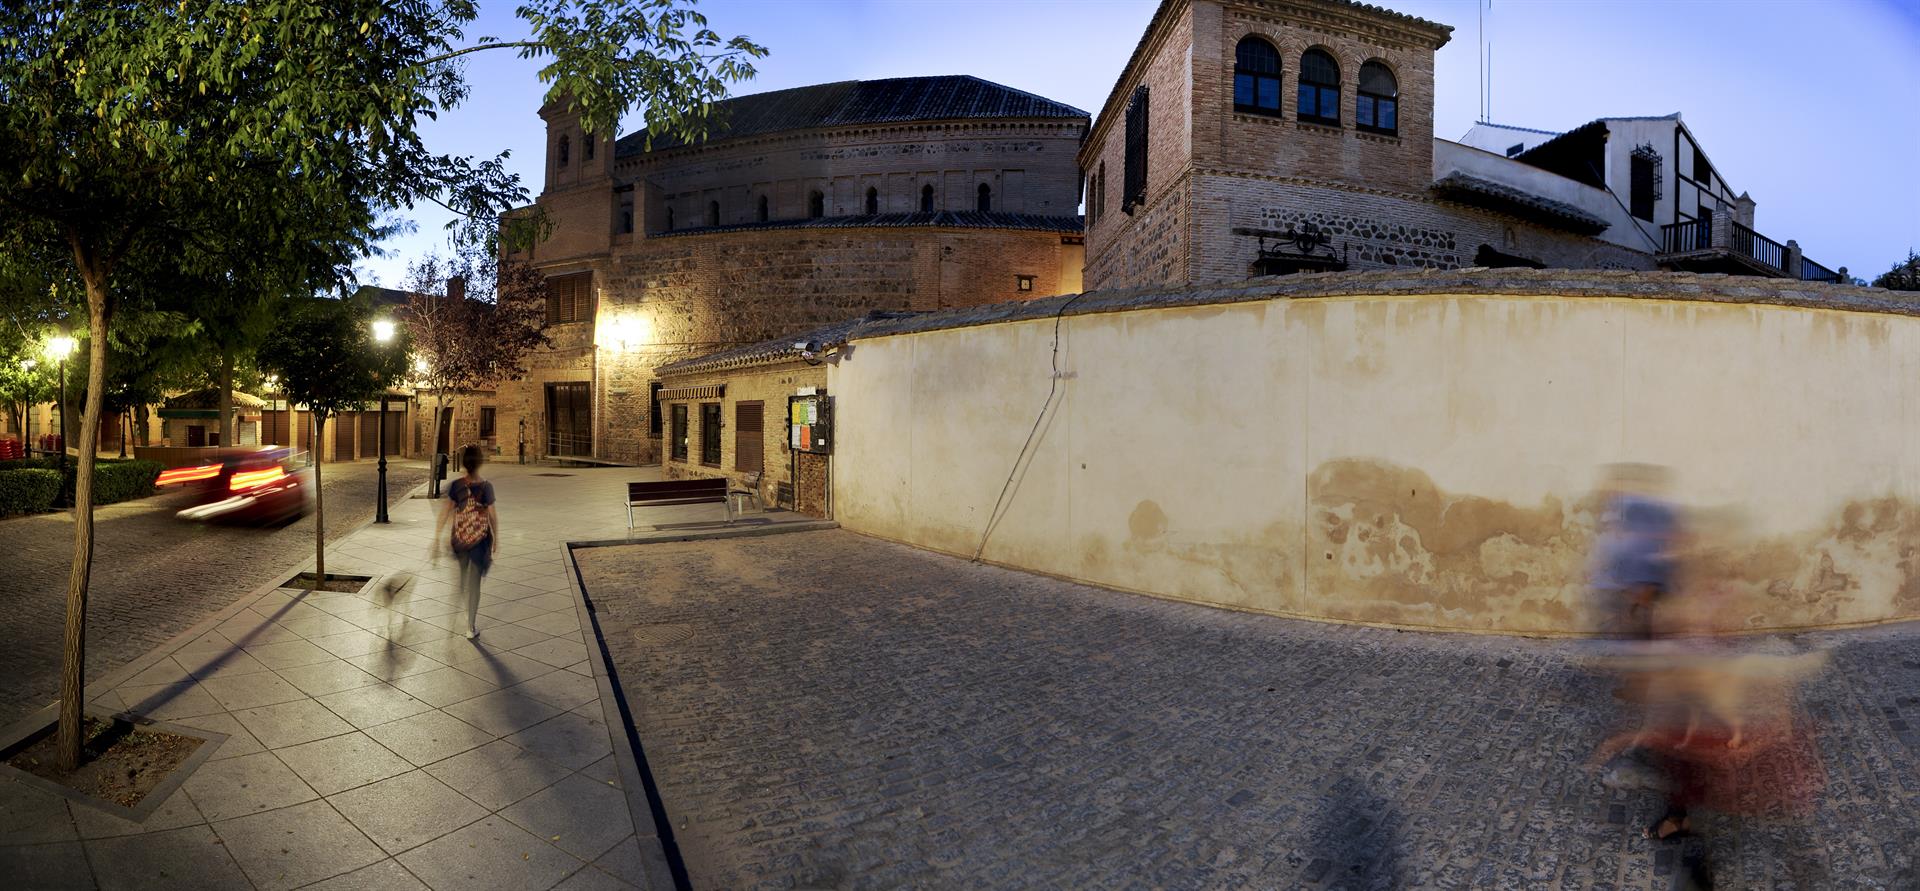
1146, 247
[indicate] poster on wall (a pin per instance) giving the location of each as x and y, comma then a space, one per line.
810, 423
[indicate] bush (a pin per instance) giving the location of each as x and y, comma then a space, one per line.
116, 481
28, 490
23, 463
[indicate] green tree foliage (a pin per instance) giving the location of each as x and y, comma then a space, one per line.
155, 140
1904, 276
480, 339
325, 356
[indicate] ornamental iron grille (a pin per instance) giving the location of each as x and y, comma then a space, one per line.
1305, 249
1647, 153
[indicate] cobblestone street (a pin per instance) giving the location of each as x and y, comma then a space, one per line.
823, 710
153, 575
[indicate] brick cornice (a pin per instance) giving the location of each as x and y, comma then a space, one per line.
1372, 23
1046, 127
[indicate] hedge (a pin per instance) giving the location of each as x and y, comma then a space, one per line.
28, 490
115, 481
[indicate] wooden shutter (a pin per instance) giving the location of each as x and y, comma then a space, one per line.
1135, 191
749, 438
570, 298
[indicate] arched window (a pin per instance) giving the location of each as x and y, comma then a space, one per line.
873, 201
669, 219
713, 213
926, 198
763, 208
1377, 105
816, 204
586, 145
1256, 77
1319, 88
565, 150
985, 202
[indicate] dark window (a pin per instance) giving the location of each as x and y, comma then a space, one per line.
570, 298
984, 203
653, 409
816, 205
1702, 171
1319, 88
565, 151
1100, 191
680, 432
710, 433
1093, 188
486, 422
926, 198
1377, 105
1134, 189
1256, 77
873, 201
669, 219
586, 145
1516, 148
749, 436
626, 218
569, 418
763, 208
1642, 171
713, 213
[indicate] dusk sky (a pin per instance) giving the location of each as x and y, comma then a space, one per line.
1813, 108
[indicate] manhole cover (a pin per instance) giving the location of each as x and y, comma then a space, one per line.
553, 474
662, 635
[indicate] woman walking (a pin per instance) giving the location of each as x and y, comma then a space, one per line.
476, 530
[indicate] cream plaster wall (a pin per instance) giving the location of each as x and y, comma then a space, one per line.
1412, 461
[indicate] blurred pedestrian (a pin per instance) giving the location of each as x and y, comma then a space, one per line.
1633, 563
476, 530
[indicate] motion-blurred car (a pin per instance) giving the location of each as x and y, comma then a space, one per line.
260, 488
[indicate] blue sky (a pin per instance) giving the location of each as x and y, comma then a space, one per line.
1811, 107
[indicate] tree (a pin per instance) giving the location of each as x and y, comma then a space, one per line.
478, 336
148, 140
1904, 276
327, 360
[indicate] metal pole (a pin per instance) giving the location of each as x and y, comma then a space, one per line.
380, 505
61, 406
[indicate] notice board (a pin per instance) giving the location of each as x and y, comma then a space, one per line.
810, 423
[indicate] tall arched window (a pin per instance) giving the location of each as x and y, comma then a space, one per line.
586, 146
1256, 77
1319, 88
713, 213
669, 219
816, 204
985, 202
564, 152
763, 208
1377, 105
926, 198
873, 201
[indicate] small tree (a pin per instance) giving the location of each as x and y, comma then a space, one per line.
327, 360
1904, 276
480, 336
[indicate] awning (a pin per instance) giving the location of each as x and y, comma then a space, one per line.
714, 392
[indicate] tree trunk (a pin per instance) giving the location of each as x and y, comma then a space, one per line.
319, 504
226, 401
73, 654
142, 435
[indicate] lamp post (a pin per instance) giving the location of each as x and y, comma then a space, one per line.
383, 334
60, 348
26, 441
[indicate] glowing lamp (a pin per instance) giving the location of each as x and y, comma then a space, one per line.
383, 330
59, 348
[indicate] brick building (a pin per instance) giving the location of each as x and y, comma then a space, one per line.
805, 207
1250, 137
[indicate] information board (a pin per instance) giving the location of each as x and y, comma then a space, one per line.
810, 423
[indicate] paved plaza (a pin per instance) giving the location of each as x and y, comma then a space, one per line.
369, 745
154, 576
824, 710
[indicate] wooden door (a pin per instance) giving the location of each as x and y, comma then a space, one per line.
569, 419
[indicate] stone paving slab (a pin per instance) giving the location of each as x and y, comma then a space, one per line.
824, 710
368, 746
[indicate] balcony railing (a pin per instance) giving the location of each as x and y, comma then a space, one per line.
1759, 248
1814, 272
1686, 237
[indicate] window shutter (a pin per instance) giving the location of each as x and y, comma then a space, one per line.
583, 297
749, 441
1135, 191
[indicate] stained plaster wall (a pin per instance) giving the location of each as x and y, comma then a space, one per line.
1417, 461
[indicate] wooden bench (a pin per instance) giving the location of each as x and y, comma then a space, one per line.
708, 490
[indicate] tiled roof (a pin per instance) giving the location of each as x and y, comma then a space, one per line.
951, 219
1603, 283
853, 102
1500, 196
779, 349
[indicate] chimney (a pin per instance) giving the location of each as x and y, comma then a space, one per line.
457, 288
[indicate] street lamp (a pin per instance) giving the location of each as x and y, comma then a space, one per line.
59, 348
383, 331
